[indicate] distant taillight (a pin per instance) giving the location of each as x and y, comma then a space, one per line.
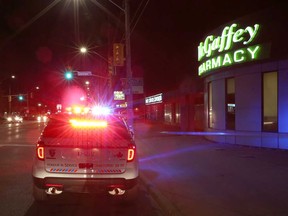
40, 150
131, 153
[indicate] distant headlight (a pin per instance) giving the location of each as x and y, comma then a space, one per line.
44, 118
18, 118
9, 119
41, 118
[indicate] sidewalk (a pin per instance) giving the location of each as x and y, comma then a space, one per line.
189, 175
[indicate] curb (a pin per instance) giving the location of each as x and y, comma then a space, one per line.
167, 207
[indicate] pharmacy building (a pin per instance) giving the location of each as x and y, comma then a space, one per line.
244, 67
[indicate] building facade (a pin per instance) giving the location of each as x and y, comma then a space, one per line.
183, 110
244, 65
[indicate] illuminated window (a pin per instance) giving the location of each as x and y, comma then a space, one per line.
168, 113
210, 106
177, 114
230, 104
270, 102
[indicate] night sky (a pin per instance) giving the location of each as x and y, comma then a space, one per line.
39, 38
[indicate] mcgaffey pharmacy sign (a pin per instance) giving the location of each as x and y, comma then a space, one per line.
236, 44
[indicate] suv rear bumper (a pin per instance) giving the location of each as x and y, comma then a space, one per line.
86, 185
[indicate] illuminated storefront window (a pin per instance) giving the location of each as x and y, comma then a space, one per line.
177, 114
168, 113
230, 104
270, 102
154, 107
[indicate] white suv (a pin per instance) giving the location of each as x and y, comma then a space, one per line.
85, 154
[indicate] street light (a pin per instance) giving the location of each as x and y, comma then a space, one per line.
83, 50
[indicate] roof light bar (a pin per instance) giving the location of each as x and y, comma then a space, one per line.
98, 110
88, 123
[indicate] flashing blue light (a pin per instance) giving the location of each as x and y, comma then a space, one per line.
98, 110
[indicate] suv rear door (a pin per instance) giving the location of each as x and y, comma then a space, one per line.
80, 149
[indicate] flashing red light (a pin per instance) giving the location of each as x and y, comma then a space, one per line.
131, 153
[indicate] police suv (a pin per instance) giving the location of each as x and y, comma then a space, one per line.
85, 153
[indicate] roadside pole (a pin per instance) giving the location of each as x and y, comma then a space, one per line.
128, 66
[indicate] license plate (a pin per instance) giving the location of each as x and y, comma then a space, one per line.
86, 165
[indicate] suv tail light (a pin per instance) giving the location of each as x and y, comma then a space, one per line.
40, 150
131, 153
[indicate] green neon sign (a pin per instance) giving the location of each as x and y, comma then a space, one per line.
230, 58
219, 51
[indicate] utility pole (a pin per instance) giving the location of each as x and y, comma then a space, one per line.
128, 66
129, 93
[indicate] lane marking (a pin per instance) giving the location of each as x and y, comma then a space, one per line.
16, 145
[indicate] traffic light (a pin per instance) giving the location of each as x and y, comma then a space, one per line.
68, 75
118, 54
20, 98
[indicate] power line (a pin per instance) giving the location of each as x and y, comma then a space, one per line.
141, 13
138, 18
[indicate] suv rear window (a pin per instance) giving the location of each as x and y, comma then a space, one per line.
60, 127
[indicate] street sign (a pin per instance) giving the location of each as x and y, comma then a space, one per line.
84, 73
119, 95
